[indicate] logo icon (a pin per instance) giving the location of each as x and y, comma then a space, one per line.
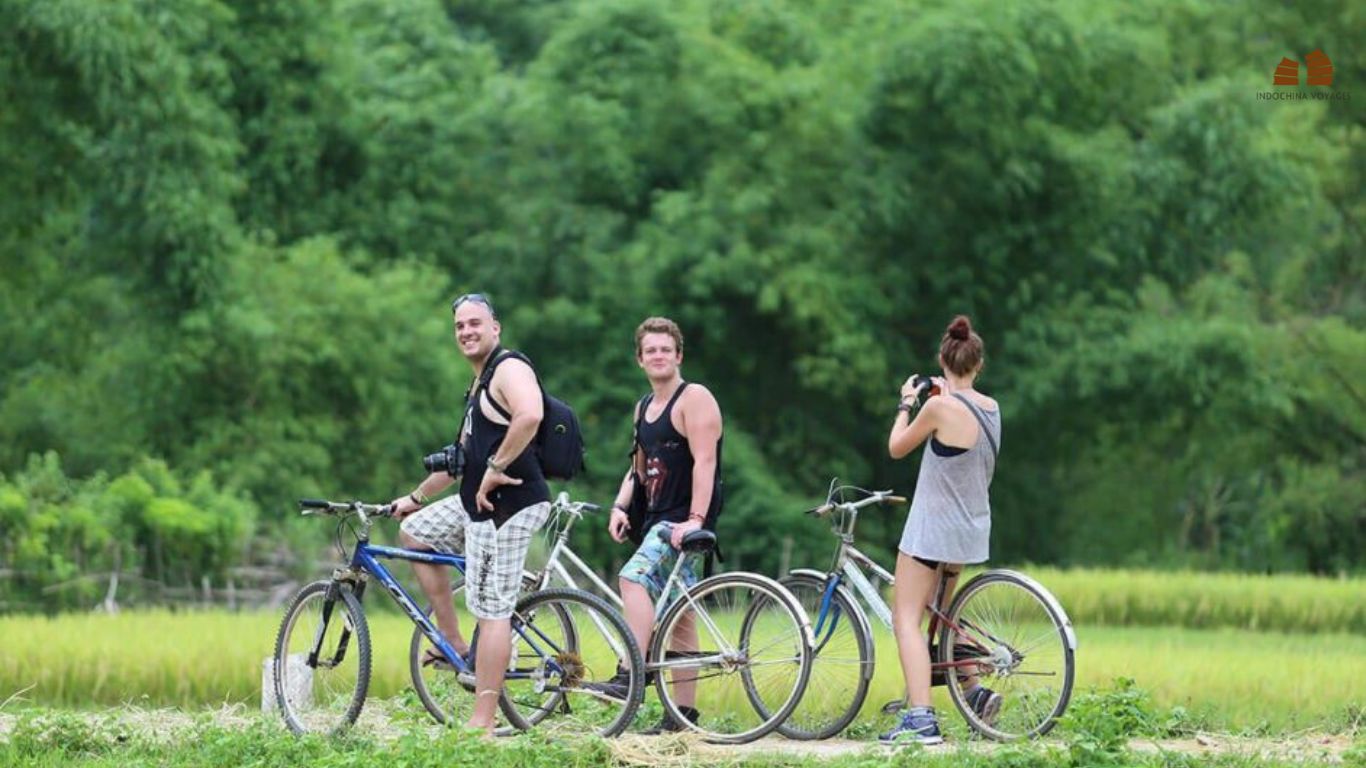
1318, 67
1287, 73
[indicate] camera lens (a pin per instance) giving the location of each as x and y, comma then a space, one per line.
450, 460
436, 462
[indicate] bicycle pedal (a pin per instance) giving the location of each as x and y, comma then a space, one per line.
893, 707
466, 681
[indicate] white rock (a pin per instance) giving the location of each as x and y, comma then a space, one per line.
299, 682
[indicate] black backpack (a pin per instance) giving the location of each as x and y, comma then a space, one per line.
559, 441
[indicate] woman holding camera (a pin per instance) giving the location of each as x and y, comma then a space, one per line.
950, 518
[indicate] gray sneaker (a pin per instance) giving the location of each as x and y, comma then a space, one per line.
918, 726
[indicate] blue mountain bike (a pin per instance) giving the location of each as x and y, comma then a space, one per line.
564, 641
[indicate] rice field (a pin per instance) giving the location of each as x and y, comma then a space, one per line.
1282, 603
1227, 679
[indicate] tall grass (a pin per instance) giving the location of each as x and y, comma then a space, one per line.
1223, 679
164, 658
1285, 603
1230, 679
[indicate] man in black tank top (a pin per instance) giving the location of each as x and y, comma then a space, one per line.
503, 500
676, 466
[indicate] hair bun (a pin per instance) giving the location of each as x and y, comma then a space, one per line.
960, 328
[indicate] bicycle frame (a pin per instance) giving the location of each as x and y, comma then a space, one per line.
554, 567
365, 562
848, 566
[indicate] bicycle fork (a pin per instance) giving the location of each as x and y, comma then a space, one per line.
334, 596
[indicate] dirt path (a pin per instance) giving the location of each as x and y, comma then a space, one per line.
670, 751
1306, 747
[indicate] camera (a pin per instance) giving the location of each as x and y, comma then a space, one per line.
930, 388
450, 460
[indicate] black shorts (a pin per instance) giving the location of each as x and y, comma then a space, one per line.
933, 565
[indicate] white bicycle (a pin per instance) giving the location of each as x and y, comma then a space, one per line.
750, 657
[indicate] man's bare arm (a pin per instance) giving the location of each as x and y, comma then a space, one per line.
514, 383
701, 417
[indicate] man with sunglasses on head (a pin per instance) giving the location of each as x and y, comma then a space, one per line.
503, 500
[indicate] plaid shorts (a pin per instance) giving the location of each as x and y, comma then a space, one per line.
653, 563
494, 557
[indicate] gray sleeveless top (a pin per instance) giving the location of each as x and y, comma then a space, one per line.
950, 519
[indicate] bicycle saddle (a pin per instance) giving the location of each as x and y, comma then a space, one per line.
699, 541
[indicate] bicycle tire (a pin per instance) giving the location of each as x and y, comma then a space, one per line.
583, 657
1020, 634
440, 688
301, 697
783, 642
842, 660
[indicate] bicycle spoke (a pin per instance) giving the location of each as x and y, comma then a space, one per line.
1035, 642
839, 665
327, 695
568, 647
1026, 663
741, 695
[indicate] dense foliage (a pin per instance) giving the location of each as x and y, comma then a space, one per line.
230, 231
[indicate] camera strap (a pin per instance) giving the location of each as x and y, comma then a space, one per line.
981, 420
478, 385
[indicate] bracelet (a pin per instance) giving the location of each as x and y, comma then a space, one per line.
418, 497
905, 407
496, 467
620, 507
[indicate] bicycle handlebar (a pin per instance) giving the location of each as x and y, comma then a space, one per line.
876, 497
361, 509
576, 507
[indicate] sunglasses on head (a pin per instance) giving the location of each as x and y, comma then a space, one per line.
477, 298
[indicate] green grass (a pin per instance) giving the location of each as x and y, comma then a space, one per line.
1283, 603
46, 740
1225, 679
1196, 600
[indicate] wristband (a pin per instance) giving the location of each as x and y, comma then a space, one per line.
620, 507
420, 500
496, 467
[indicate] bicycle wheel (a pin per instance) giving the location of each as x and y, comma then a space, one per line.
567, 645
730, 642
447, 694
1009, 634
842, 658
322, 692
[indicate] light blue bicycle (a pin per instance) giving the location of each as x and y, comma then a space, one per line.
1001, 629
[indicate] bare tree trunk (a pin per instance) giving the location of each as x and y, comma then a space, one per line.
110, 603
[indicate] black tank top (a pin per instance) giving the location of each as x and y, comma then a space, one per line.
668, 467
482, 442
